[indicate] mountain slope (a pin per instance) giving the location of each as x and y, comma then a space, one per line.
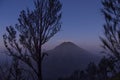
64, 59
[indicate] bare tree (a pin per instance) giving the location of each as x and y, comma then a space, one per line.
24, 40
111, 39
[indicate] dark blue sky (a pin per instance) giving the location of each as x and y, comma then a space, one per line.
81, 21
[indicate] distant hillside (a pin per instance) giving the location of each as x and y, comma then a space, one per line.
66, 58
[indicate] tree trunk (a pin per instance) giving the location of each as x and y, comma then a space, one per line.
39, 64
40, 71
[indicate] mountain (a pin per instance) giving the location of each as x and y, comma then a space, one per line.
65, 59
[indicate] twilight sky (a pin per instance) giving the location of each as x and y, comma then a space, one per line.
81, 21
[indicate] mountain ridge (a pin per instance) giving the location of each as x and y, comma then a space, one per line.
64, 59
69, 46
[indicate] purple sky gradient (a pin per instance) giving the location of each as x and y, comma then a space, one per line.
81, 21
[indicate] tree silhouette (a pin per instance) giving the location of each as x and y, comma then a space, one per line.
111, 39
92, 71
24, 41
5, 71
104, 67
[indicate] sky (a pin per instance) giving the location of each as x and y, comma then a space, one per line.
82, 22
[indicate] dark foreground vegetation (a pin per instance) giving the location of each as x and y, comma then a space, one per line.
24, 43
106, 69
